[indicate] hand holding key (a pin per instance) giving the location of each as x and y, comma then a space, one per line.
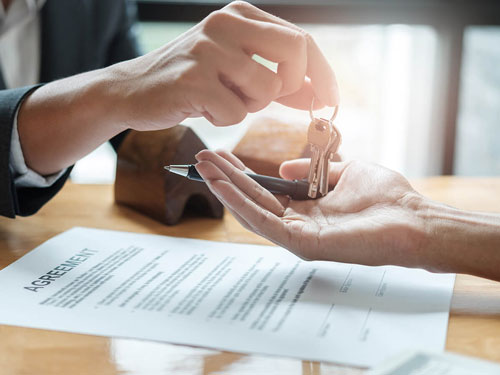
208, 71
373, 216
370, 208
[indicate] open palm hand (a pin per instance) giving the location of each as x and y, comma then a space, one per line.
368, 218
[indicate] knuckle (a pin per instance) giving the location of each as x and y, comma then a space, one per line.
203, 154
238, 5
300, 39
264, 219
307, 37
257, 105
231, 173
222, 152
217, 20
265, 86
258, 192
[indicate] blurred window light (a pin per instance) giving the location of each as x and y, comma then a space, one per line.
385, 73
478, 131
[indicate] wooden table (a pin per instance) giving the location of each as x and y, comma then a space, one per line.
474, 326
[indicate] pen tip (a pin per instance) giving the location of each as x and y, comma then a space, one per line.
167, 167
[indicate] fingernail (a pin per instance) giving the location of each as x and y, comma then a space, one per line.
197, 156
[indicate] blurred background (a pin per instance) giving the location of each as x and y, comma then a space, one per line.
419, 80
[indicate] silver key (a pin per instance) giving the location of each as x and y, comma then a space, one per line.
320, 160
332, 148
318, 136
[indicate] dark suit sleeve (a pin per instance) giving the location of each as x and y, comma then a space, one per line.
20, 201
124, 46
113, 22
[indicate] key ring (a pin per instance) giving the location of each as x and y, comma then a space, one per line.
335, 111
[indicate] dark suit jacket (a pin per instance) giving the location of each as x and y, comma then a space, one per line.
77, 36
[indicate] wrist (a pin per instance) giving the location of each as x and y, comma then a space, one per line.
106, 104
87, 98
460, 241
141, 100
63, 121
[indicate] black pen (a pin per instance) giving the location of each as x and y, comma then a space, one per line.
295, 189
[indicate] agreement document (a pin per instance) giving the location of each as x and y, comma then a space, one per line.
235, 297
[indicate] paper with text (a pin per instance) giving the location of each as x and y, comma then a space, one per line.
236, 297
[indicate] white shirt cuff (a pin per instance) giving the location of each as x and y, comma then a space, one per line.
24, 176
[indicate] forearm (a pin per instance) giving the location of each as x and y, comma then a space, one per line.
462, 241
64, 120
